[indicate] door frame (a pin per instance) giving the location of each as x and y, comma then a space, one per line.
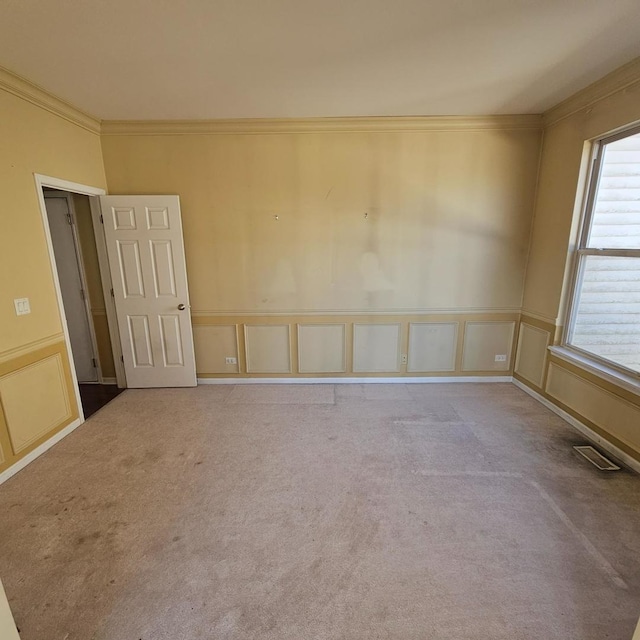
42, 181
79, 258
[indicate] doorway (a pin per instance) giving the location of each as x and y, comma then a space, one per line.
75, 254
139, 254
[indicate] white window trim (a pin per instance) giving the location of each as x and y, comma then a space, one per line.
606, 369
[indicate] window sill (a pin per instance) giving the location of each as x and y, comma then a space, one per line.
622, 380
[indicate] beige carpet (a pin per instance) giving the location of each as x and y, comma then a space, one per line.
321, 512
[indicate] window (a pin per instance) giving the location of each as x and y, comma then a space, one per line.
604, 318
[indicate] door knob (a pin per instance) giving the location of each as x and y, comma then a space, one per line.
181, 307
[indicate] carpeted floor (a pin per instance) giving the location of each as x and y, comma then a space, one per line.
300, 512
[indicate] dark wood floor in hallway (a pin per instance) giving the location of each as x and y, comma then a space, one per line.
96, 396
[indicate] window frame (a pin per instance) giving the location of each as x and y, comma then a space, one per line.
582, 252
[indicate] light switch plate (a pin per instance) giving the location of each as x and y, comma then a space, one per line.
22, 306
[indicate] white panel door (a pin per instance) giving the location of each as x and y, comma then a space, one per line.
146, 259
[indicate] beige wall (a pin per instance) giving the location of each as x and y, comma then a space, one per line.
34, 141
609, 409
32, 353
383, 222
558, 194
448, 218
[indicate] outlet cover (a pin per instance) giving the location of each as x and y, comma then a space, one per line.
501, 357
404, 358
231, 360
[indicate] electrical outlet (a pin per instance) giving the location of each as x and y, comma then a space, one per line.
231, 360
501, 358
403, 359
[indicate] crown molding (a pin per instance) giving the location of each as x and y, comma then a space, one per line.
618, 80
319, 125
38, 96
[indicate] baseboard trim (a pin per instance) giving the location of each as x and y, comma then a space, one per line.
38, 451
588, 433
396, 380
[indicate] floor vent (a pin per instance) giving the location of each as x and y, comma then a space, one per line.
596, 458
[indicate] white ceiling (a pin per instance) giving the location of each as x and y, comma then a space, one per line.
183, 59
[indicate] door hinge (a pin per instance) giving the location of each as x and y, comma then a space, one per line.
82, 294
101, 219
69, 218
122, 359
95, 364
112, 294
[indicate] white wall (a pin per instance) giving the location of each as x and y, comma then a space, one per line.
8, 629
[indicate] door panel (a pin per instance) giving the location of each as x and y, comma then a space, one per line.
163, 277
171, 344
140, 341
130, 268
146, 258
